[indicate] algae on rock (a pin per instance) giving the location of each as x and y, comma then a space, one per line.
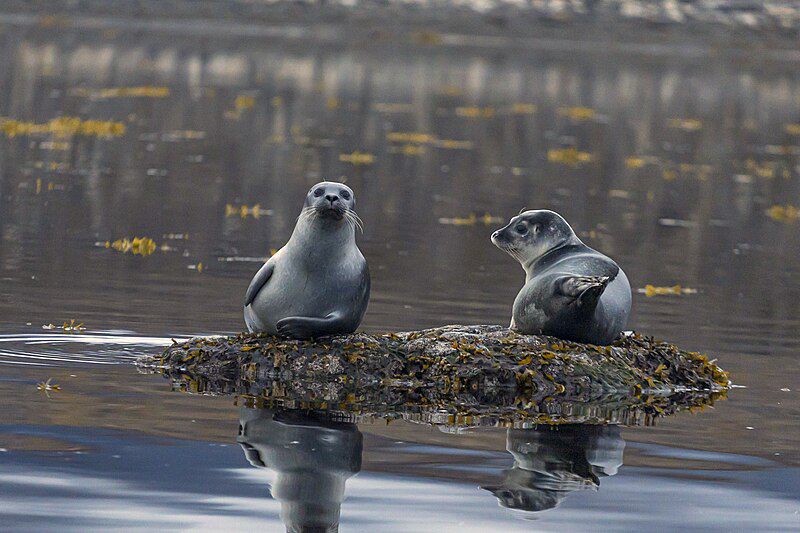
488, 374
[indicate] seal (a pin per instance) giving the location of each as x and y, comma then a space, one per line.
571, 291
318, 283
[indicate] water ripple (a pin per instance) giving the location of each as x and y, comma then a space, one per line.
62, 349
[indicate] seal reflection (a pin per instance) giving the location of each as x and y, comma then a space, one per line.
550, 463
312, 459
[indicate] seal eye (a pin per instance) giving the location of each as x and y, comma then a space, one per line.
344, 194
318, 192
522, 229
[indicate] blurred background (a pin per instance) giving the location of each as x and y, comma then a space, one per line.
154, 153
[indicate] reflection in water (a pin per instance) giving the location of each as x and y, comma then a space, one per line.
312, 457
551, 462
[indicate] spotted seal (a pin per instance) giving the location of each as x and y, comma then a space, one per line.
571, 291
318, 283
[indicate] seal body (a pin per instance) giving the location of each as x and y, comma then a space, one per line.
571, 291
318, 284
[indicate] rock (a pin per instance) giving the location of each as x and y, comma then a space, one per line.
487, 373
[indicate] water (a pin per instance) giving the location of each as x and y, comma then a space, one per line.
685, 170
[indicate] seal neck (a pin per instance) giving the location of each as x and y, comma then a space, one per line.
322, 238
535, 265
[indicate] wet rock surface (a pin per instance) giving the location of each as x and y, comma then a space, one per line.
451, 375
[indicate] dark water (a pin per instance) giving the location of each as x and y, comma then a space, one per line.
686, 171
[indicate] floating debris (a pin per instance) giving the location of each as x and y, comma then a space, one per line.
619, 193
486, 219
410, 137
641, 161
569, 156
523, 109
382, 107
475, 112
411, 150
578, 113
143, 246
676, 290
452, 144
677, 223
783, 213
40, 186
792, 129
767, 170
451, 91
244, 211
58, 146
182, 135
198, 267
357, 158
72, 326
176, 236
426, 38
686, 124
48, 386
244, 102
64, 127
122, 92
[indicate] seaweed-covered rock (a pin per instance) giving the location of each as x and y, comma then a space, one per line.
488, 374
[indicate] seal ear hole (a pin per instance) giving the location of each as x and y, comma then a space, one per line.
535, 228
318, 192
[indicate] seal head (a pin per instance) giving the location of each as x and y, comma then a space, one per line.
571, 291
318, 284
531, 234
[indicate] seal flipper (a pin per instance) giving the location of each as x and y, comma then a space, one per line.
585, 290
258, 282
304, 327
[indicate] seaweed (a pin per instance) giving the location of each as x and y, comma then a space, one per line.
450, 375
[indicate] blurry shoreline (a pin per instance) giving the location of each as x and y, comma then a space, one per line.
742, 30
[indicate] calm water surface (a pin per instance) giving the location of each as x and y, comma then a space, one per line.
685, 171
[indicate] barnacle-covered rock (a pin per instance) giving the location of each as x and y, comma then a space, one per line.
457, 375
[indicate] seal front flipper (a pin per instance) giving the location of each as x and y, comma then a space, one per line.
585, 290
259, 280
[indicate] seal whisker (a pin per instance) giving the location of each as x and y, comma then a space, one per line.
353, 217
349, 220
305, 213
359, 221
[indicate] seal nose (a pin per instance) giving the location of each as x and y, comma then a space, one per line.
495, 235
331, 197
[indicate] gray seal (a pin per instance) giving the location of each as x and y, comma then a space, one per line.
571, 291
318, 283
